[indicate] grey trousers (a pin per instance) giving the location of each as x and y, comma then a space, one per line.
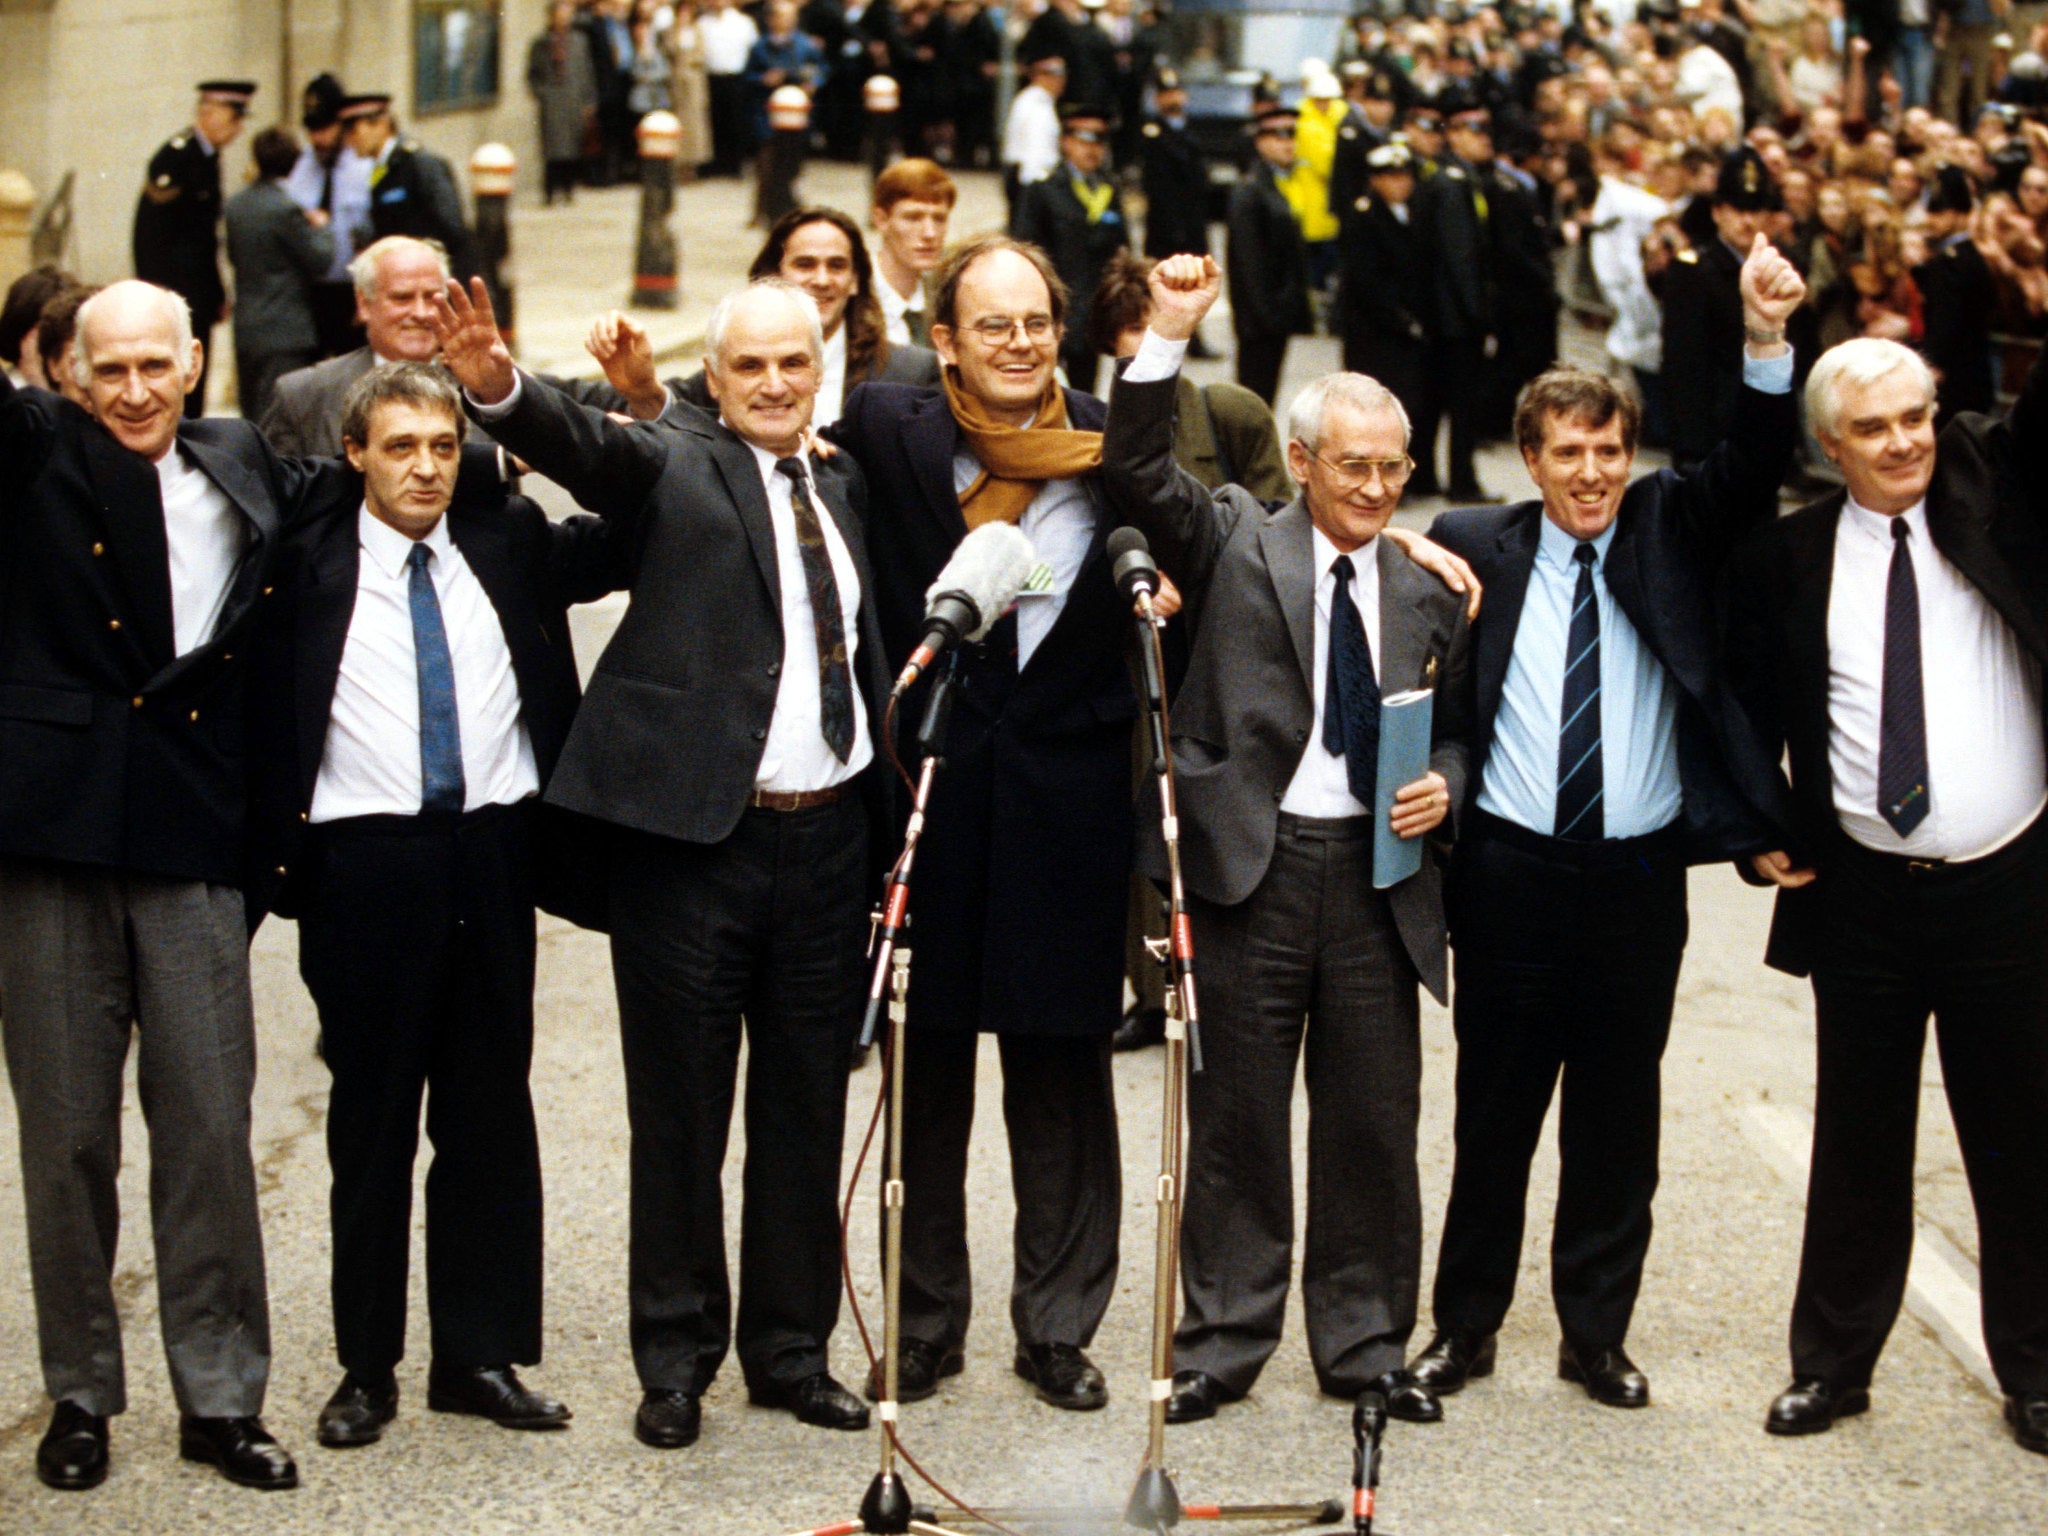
1308, 968
86, 956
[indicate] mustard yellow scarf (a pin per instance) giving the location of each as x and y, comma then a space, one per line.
1016, 461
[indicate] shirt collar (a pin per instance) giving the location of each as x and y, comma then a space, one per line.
766, 460
205, 144
1559, 548
1363, 559
389, 549
1877, 526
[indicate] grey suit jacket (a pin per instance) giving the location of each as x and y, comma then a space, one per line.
277, 257
304, 419
1244, 713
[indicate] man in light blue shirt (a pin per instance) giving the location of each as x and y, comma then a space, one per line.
335, 179
1607, 756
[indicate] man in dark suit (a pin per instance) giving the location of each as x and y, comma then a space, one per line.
1958, 295
725, 740
1454, 211
1703, 310
1303, 621
1268, 263
1889, 639
137, 555
412, 189
1607, 755
1174, 174
1385, 287
278, 251
177, 218
1023, 870
414, 686
1076, 217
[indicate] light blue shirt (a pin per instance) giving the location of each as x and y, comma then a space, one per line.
1060, 523
1638, 699
351, 210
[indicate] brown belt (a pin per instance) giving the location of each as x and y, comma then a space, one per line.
794, 799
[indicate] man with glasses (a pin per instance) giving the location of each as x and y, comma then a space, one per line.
1022, 874
1607, 756
1304, 621
1268, 263
1076, 217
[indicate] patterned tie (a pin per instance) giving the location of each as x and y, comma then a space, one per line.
1351, 692
1902, 719
441, 785
835, 677
1580, 779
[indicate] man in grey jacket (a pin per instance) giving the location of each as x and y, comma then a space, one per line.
278, 251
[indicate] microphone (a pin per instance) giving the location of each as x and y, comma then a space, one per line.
987, 571
1132, 567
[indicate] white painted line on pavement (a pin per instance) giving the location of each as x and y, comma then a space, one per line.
1941, 1286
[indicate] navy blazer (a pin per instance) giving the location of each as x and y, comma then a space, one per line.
1673, 535
1023, 874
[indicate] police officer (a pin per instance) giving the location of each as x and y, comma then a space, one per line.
1455, 208
412, 189
1268, 263
1518, 240
1075, 215
177, 219
1173, 174
1366, 127
1702, 302
1384, 290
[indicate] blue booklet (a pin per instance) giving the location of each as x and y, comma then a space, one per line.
1404, 758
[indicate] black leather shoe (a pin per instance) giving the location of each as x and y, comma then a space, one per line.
1451, 1360
1064, 1376
1809, 1406
1608, 1375
73, 1454
920, 1367
815, 1400
357, 1413
668, 1420
2027, 1413
1407, 1399
1196, 1396
492, 1392
242, 1448
1141, 1027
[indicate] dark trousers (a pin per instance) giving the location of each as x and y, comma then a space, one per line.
1567, 965
334, 317
1458, 376
257, 373
1308, 968
1059, 1108
761, 933
1259, 359
416, 941
728, 113
1967, 944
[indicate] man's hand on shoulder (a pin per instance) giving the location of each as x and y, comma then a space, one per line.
1183, 289
471, 346
1446, 567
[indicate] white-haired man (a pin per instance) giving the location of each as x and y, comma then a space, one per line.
1890, 639
1307, 618
138, 550
726, 738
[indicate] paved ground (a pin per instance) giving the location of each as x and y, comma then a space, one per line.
1520, 1455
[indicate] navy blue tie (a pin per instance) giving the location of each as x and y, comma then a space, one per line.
1351, 692
1580, 776
1902, 717
441, 785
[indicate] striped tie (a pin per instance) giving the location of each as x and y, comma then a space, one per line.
1580, 780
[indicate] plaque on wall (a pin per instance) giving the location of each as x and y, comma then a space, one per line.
455, 55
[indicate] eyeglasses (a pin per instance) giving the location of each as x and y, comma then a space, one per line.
1354, 474
996, 330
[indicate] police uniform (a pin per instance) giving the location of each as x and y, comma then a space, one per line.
413, 193
1383, 297
177, 224
1176, 183
1958, 295
1267, 272
1453, 210
1356, 140
1703, 327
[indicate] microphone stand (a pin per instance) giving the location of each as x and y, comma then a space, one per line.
1155, 1502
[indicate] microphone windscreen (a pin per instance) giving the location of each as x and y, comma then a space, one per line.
1122, 541
989, 569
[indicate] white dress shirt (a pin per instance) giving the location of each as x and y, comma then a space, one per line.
896, 309
371, 765
796, 756
206, 535
831, 381
1321, 785
1060, 523
727, 37
1987, 768
1622, 216
1031, 137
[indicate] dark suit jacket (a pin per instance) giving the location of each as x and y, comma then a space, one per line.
530, 569
1243, 717
1268, 269
176, 242
1386, 282
1176, 182
1024, 872
115, 752
670, 735
1987, 512
1673, 536
1460, 253
417, 196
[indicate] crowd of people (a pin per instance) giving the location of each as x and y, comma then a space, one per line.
315, 662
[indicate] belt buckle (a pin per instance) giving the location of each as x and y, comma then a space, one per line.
1923, 866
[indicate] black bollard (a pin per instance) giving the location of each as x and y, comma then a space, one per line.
782, 157
491, 172
655, 261
882, 97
